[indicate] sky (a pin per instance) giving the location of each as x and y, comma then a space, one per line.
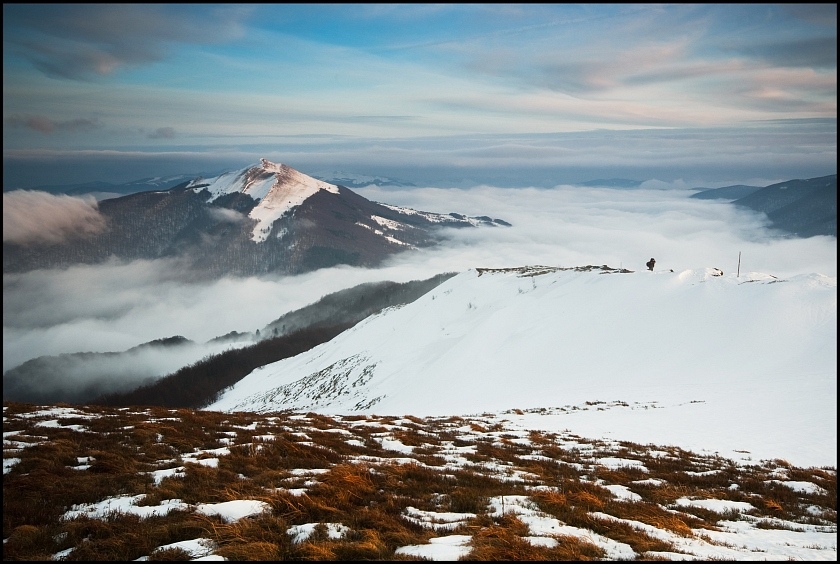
434, 94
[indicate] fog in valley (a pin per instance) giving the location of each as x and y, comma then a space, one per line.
117, 306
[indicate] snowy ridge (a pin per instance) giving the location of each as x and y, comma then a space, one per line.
439, 217
278, 188
680, 349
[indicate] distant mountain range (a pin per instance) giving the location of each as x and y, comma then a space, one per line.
265, 218
352, 180
102, 190
802, 208
80, 377
726, 193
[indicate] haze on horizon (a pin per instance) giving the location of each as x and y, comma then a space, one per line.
435, 94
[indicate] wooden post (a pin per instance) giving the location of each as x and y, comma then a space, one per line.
739, 265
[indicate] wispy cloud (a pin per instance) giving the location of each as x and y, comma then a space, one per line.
83, 41
819, 52
162, 133
776, 150
381, 81
45, 125
39, 217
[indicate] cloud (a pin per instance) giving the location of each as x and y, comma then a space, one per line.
115, 306
818, 52
31, 216
774, 150
47, 126
79, 378
225, 215
163, 133
821, 14
84, 41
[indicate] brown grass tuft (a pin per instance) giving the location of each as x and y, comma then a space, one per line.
251, 551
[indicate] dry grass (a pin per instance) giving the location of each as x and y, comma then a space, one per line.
310, 468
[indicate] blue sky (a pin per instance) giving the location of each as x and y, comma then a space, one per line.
457, 94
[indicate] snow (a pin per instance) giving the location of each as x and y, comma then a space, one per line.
198, 549
716, 505
277, 187
388, 223
232, 511
126, 504
744, 367
803, 487
741, 540
448, 548
436, 520
9, 463
300, 533
748, 538
543, 526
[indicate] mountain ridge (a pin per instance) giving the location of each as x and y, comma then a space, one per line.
258, 220
799, 208
536, 337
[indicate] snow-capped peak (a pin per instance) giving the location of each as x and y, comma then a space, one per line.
277, 187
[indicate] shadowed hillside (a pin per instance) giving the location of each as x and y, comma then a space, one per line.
803, 208
200, 383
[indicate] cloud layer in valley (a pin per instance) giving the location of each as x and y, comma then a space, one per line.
113, 307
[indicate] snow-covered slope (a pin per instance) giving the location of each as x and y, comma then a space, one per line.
277, 187
679, 356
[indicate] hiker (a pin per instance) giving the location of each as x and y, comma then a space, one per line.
650, 263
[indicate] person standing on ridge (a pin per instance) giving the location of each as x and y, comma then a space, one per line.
650, 263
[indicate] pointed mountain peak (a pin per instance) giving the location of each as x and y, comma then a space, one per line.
277, 187
288, 189
287, 175
279, 168
269, 166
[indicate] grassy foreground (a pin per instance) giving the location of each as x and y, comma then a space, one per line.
367, 487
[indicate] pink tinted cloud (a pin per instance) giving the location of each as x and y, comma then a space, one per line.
31, 216
47, 126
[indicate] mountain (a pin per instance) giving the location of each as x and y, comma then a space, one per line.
158, 372
725, 193
353, 304
81, 377
290, 334
684, 350
102, 190
803, 208
261, 219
